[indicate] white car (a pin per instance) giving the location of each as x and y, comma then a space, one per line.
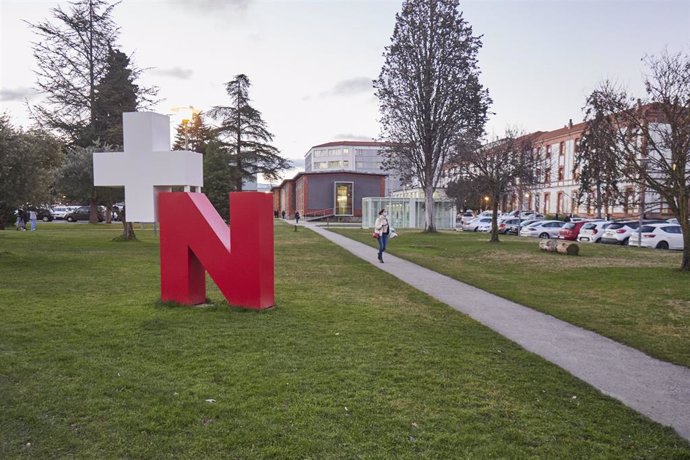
543, 229
619, 232
591, 232
474, 224
662, 236
466, 217
59, 212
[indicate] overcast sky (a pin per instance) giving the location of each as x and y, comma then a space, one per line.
311, 63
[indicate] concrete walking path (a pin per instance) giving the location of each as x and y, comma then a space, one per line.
655, 388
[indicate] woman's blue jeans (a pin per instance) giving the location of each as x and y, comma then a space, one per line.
383, 240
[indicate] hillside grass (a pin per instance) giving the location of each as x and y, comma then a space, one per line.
351, 363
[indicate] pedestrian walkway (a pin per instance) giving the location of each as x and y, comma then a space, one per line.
655, 388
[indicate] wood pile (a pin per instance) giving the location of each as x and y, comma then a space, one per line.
561, 247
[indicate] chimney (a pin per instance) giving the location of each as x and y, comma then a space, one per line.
570, 123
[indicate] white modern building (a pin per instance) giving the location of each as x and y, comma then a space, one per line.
355, 156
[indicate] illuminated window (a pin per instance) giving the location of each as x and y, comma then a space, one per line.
343, 198
561, 173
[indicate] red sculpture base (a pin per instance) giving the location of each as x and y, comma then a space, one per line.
194, 240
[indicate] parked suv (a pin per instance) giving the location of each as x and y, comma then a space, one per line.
591, 232
82, 213
41, 213
619, 232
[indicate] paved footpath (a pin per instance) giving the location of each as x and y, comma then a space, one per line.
657, 389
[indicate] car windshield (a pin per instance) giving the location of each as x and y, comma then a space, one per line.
589, 226
569, 225
647, 229
616, 226
484, 221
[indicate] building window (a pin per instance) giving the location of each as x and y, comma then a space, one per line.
577, 144
561, 148
346, 151
561, 173
559, 203
346, 164
322, 165
575, 174
343, 198
333, 164
547, 199
547, 175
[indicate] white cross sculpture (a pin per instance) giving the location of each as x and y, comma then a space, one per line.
147, 166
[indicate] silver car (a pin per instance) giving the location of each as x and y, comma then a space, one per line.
543, 229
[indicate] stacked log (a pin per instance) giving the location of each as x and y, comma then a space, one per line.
561, 247
568, 247
548, 245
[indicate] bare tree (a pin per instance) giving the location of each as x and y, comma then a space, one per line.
652, 136
429, 93
596, 156
500, 166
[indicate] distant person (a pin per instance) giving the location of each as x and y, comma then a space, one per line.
20, 221
297, 217
283, 213
32, 219
382, 227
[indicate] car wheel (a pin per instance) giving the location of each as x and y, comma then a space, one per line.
45, 219
475, 229
70, 219
662, 245
544, 235
625, 242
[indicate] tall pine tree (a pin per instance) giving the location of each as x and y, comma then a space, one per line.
244, 136
116, 93
193, 135
72, 56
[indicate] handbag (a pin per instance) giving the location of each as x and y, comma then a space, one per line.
375, 235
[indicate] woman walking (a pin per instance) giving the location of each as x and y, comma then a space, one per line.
382, 227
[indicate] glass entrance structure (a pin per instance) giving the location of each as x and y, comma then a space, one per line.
408, 212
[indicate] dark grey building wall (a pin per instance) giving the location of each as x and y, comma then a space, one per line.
321, 189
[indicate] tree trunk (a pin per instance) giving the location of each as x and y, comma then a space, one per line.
599, 200
685, 226
127, 228
494, 222
93, 211
109, 214
568, 247
548, 245
429, 209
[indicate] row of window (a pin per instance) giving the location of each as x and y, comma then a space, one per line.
330, 152
345, 164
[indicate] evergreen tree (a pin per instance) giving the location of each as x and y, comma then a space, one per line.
220, 178
245, 137
194, 135
116, 93
72, 57
429, 93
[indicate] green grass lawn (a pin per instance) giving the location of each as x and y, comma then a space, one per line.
632, 295
352, 363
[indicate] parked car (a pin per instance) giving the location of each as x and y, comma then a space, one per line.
43, 214
59, 212
82, 213
619, 232
466, 217
662, 236
474, 224
508, 226
591, 232
543, 229
571, 230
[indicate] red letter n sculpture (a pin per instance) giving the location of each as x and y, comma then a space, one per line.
194, 240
